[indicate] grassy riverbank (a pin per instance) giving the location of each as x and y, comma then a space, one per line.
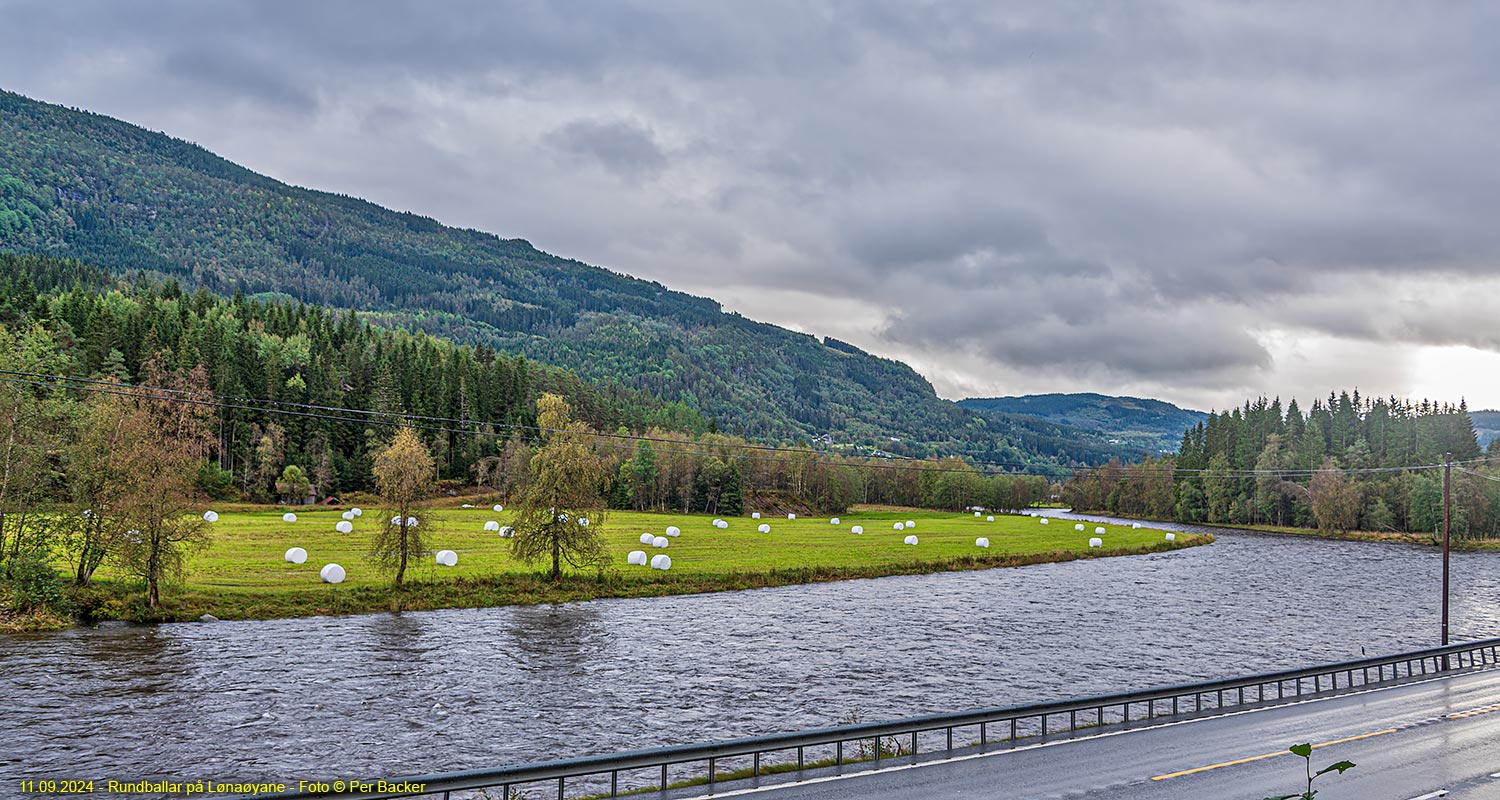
1426, 539
243, 575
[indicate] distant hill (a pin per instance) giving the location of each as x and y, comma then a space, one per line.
81, 185
1150, 425
1486, 426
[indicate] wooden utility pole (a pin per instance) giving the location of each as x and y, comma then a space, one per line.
1447, 501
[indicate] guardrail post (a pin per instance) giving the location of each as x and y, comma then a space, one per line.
1013, 732
614, 784
838, 756
799, 758
983, 737
711, 772
663, 778
561, 780
757, 763
1072, 721
950, 738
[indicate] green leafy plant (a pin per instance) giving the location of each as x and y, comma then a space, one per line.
1305, 750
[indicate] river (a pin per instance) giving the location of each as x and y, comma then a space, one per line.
386, 695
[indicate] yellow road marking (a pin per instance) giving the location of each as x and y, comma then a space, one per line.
1267, 755
1471, 712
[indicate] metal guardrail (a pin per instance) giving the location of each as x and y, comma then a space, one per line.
898, 741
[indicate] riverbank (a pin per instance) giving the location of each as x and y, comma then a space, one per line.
1424, 539
243, 574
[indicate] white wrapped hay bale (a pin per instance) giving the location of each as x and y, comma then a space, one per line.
857, 529
492, 525
357, 511
507, 532
498, 508
722, 525
1099, 531
791, 516
660, 542
982, 542
1135, 526
661, 561
396, 520
344, 526
718, 522
411, 522
1171, 537
296, 555
349, 515
898, 527
833, 521
447, 558
288, 517
989, 519
976, 513
331, 573
636, 557
673, 531
1096, 542
583, 522
911, 524
764, 528
910, 540
210, 516
467, 505
756, 515
646, 538
1078, 527
1046, 521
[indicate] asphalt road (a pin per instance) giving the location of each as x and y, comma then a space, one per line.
1410, 741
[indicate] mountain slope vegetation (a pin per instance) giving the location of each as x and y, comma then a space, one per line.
80, 185
1151, 425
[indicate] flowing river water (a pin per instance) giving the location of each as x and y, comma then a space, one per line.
386, 695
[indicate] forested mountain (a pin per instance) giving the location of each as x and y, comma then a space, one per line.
1486, 426
297, 394
1150, 425
111, 194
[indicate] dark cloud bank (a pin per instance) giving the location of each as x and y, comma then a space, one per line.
1193, 201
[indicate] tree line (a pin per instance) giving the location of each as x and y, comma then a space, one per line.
1348, 463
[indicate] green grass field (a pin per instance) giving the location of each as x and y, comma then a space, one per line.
243, 574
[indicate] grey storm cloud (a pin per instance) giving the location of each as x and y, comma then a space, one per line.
619, 146
1144, 194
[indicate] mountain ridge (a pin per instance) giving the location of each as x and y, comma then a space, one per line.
82, 185
1149, 424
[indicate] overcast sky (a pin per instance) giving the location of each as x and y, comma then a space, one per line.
1191, 201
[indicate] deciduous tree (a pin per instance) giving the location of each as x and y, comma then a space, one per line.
405, 475
567, 478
